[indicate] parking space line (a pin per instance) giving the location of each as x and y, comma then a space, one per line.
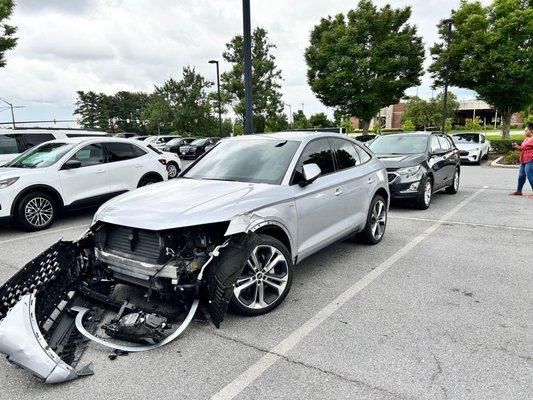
30, 236
282, 348
514, 228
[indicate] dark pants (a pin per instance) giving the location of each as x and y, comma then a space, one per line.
525, 171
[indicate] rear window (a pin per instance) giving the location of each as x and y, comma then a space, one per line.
123, 151
33, 139
8, 144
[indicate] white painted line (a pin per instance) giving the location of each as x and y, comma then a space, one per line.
474, 224
282, 348
33, 235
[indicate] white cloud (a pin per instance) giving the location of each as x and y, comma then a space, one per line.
113, 45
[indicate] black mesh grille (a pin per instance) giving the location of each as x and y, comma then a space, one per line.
463, 153
134, 243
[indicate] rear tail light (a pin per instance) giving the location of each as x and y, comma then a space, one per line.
163, 161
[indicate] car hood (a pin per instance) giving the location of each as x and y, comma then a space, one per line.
395, 161
187, 202
467, 146
6, 172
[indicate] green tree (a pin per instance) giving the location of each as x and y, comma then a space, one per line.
427, 113
93, 110
490, 52
125, 107
364, 61
346, 124
320, 120
299, 120
7, 32
268, 103
408, 125
277, 123
158, 115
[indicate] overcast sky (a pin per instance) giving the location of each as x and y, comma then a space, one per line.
111, 45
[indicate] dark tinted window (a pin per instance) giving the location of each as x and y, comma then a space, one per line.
76, 135
122, 151
90, 155
317, 152
345, 153
8, 144
31, 139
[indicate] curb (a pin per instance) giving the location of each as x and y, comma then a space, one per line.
496, 164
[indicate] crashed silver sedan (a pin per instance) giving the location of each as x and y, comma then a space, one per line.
227, 233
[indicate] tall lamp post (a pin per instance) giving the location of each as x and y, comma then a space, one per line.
248, 99
219, 98
445, 97
12, 112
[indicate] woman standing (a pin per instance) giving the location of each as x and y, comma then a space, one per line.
526, 161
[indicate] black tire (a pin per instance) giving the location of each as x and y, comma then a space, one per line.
454, 187
149, 180
173, 170
238, 305
368, 234
422, 202
478, 162
36, 211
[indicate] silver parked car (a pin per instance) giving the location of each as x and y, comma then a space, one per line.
226, 232
299, 192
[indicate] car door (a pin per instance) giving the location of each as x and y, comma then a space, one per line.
90, 180
436, 161
355, 180
319, 205
127, 165
449, 159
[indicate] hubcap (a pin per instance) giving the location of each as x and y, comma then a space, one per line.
39, 211
264, 278
172, 171
427, 192
379, 219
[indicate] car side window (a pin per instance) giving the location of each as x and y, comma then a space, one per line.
345, 153
8, 144
316, 152
122, 151
450, 141
31, 139
434, 143
444, 144
363, 154
92, 154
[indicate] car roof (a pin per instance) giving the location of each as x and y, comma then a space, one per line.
416, 133
468, 133
302, 136
78, 140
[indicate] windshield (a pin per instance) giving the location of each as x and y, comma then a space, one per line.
466, 138
399, 144
150, 139
246, 160
199, 142
175, 142
41, 156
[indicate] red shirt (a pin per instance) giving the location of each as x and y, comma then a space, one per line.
526, 150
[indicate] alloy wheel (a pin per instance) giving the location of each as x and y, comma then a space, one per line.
264, 278
427, 192
39, 211
172, 171
378, 219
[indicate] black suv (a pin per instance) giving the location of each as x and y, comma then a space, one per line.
175, 145
197, 148
418, 165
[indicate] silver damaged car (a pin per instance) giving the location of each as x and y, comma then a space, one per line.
226, 233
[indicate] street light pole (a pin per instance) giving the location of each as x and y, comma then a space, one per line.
12, 112
290, 115
445, 97
219, 98
247, 35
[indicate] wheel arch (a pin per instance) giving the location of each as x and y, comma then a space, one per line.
150, 174
37, 188
383, 193
278, 232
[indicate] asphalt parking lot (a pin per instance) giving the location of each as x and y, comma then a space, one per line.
438, 310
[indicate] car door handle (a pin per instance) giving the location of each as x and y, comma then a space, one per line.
370, 181
100, 171
338, 192
138, 165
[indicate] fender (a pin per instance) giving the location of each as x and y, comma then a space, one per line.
30, 188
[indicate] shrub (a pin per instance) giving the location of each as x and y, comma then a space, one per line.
473, 124
448, 125
501, 146
408, 125
513, 157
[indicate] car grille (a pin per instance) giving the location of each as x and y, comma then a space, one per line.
135, 244
463, 153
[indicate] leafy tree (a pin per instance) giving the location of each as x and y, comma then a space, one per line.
346, 124
158, 115
473, 124
7, 32
125, 107
227, 126
448, 125
299, 120
93, 110
427, 113
277, 123
364, 61
320, 120
490, 52
268, 103
408, 125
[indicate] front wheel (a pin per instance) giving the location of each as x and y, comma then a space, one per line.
454, 187
376, 222
425, 194
265, 280
173, 170
36, 211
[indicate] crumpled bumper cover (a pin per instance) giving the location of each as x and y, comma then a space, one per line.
24, 345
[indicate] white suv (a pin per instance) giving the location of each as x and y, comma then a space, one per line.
70, 173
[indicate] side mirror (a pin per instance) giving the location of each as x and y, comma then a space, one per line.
310, 173
71, 164
439, 152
